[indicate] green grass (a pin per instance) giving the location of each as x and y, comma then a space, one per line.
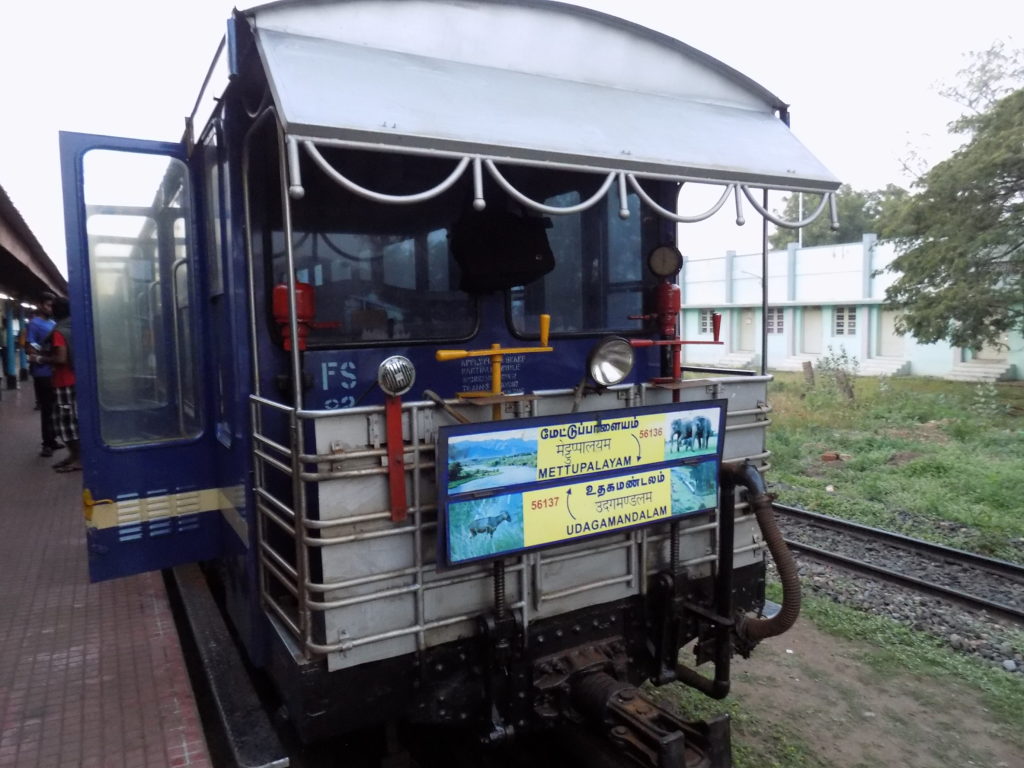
890, 652
929, 458
893, 649
755, 743
934, 459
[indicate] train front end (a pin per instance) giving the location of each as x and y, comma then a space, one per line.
489, 493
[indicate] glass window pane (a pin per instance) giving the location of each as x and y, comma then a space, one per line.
137, 213
624, 242
598, 279
382, 273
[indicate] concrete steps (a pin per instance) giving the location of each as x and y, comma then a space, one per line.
874, 366
981, 371
738, 360
794, 363
884, 366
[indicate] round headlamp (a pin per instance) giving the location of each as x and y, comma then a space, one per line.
396, 375
610, 361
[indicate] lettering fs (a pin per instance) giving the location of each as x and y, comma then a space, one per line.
334, 376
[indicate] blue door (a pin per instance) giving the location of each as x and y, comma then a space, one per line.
151, 496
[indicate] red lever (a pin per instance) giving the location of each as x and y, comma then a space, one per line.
396, 459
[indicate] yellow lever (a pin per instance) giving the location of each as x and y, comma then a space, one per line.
88, 502
497, 354
444, 355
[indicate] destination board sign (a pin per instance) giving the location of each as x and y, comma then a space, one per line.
510, 486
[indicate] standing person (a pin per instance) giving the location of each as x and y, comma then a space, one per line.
39, 328
65, 411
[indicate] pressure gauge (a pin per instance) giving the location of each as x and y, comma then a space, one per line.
665, 260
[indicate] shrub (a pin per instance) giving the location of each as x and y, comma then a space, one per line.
834, 361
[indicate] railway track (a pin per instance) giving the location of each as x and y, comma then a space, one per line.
976, 582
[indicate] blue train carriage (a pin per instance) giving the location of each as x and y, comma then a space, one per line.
389, 342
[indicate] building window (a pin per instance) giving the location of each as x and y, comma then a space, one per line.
773, 320
845, 323
706, 324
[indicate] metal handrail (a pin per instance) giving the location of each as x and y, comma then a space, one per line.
369, 194
419, 459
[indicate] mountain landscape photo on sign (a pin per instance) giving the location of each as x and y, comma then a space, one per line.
491, 460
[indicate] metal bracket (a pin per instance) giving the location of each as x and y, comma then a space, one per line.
646, 733
655, 737
427, 424
507, 678
765, 409
665, 626
337, 446
374, 430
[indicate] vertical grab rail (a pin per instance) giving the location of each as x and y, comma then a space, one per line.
295, 431
255, 413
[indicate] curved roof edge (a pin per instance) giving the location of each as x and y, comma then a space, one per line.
286, 15
524, 79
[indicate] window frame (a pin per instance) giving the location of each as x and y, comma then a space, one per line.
159, 265
642, 284
267, 242
844, 320
705, 322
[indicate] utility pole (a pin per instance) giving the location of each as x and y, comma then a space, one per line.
800, 217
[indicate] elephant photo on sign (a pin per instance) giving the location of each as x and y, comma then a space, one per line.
691, 434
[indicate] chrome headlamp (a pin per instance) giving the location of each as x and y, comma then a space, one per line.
396, 375
610, 361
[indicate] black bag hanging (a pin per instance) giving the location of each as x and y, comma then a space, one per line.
497, 249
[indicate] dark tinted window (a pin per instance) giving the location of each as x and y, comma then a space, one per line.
599, 271
382, 271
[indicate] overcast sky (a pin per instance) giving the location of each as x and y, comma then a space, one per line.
862, 79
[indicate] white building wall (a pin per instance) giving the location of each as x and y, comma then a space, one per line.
704, 354
777, 347
882, 255
703, 282
930, 359
802, 281
851, 343
830, 273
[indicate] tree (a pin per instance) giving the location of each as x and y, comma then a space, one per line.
859, 212
960, 238
990, 76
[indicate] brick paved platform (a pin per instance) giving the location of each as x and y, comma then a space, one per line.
91, 675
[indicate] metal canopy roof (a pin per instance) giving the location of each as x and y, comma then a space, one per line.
524, 81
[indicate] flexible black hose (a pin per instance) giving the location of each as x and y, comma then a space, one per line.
750, 630
754, 630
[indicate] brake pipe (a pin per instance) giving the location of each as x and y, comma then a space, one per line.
752, 630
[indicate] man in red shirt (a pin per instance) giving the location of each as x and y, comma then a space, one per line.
65, 411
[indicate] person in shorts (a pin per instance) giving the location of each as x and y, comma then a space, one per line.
65, 409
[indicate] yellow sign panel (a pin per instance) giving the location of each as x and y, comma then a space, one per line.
507, 487
583, 509
570, 450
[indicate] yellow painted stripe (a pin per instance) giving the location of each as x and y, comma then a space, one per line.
107, 513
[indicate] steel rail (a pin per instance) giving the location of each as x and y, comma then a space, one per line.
960, 557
